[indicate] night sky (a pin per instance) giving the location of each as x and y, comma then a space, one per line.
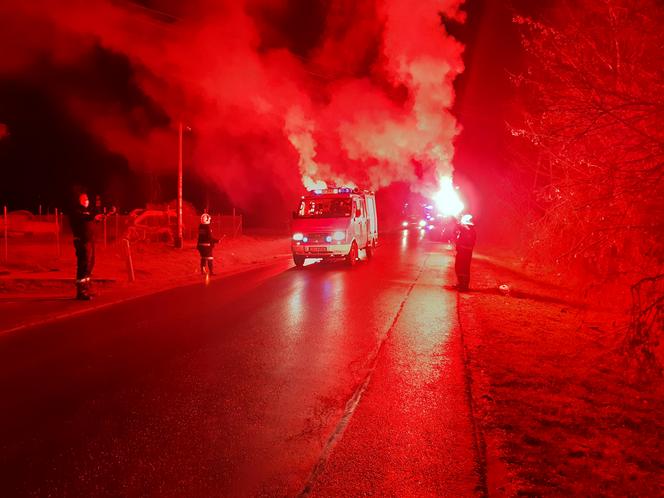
50, 149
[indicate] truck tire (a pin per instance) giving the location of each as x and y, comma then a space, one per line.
351, 259
369, 249
298, 260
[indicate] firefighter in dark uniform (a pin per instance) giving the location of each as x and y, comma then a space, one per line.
82, 219
465, 242
206, 243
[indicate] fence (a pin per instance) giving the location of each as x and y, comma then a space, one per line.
228, 225
21, 226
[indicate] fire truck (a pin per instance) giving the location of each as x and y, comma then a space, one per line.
335, 223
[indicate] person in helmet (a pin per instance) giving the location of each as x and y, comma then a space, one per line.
206, 243
465, 243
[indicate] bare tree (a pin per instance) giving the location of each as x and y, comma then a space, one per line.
592, 98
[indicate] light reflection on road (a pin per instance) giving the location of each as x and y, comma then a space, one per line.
315, 314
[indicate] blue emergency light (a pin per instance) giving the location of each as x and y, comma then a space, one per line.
334, 190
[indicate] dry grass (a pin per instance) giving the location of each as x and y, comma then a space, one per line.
560, 408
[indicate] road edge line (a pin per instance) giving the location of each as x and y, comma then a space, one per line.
354, 400
479, 444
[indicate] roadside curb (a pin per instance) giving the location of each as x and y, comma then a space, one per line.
51, 283
148, 292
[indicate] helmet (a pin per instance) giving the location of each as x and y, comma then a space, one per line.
467, 219
206, 219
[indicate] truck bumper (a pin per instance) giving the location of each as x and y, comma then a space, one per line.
321, 251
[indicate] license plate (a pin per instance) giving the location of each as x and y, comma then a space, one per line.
318, 249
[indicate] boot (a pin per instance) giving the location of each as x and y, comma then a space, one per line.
210, 265
89, 289
81, 291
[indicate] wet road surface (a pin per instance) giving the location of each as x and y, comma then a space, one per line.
322, 381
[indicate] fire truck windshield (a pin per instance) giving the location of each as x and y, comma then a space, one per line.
325, 207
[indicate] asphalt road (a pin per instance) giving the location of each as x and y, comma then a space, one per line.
322, 381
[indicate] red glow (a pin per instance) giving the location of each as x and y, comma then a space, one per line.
369, 106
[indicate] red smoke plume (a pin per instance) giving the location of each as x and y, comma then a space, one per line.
368, 103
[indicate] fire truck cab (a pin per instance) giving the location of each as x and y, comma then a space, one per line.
335, 223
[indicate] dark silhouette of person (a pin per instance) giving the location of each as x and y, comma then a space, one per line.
81, 219
205, 245
465, 243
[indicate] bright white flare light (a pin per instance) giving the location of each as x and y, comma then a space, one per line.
447, 198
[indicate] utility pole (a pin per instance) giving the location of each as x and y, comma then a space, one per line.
6, 227
179, 235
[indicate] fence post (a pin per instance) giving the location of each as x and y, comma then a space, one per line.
105, 237
130, 264
237, 225
57, 232
6, 235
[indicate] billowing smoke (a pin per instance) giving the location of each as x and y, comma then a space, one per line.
364, 100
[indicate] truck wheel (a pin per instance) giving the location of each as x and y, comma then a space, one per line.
369, 249
351, 259
298, 260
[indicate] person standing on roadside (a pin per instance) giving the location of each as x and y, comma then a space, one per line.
82, 219
465, 243
205, 244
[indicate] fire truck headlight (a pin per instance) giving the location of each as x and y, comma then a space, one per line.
404, 224
339, 235
328, 238
298, 236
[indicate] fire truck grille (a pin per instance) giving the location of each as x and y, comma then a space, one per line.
316, 238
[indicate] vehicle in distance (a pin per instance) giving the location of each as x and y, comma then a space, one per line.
151, 225
425, 218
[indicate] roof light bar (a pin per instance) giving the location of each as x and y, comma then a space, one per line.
335, 190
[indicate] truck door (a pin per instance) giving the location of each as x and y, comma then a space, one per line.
371, 218
361, 222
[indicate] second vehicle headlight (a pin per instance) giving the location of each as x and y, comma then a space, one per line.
339, 235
